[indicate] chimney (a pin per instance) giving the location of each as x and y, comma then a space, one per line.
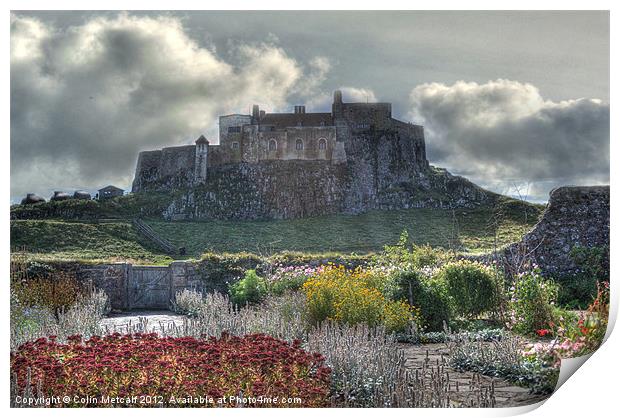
262, 114
300, 109
337, 96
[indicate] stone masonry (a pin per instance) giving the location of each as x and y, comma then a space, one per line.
575, 216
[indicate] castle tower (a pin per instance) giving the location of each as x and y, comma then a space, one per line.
337, 111
200, 166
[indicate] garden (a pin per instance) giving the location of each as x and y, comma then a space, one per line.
414, 326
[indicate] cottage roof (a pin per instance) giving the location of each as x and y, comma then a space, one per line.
284, 120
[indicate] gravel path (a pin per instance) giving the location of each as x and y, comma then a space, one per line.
141, 321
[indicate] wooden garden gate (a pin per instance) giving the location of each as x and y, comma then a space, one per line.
149, 287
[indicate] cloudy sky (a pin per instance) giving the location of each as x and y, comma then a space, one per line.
516, 101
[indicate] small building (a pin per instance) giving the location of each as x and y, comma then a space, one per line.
109, 191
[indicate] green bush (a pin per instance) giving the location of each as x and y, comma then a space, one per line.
576, 291
407, 256
430, 295
532, 303
251, 289
472, 286
593, 261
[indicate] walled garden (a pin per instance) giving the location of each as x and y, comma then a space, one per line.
412, 326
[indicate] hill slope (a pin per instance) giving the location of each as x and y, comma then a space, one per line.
470, 230
65, 240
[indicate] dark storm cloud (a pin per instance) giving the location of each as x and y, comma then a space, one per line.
85, 99
503, 133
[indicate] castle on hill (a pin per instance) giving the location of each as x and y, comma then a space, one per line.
265, 136
286, 165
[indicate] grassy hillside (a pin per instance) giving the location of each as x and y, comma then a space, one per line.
65, 240
465, 230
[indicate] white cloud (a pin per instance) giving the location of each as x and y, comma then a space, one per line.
503, 133
323, 101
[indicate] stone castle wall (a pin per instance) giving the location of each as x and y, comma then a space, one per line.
170, 168
270, 189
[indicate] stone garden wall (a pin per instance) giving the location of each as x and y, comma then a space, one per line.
574, 217
153, 287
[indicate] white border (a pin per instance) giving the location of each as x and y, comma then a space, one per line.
591, 392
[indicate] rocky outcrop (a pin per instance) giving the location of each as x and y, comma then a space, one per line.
298, 189
574, 217
266, 190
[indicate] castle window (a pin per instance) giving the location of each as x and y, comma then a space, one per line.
322, 143
299, 145
233, 129
273, 145
235, 145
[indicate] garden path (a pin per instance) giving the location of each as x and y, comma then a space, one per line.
506, 393
146, 321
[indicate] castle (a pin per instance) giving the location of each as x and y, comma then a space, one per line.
284, 165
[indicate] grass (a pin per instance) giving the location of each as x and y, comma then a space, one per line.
466, 230
55, 240
472, 231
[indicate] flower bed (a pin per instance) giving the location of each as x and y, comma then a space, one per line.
354, 297
252, 366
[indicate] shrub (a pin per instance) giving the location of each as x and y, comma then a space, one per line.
251, 289
584, 334
282, 317
504, 358
531, 305
592, 261
406, 256
55, 292
579, 289
83, 317
352, 297
188, 302
429, 294
472, 286
285, 278
165, 368
368, 369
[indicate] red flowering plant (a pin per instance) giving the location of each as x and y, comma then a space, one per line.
592, 324
172, 369
583, 336
543, 332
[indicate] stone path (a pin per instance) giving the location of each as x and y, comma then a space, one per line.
506, 393
141, 321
